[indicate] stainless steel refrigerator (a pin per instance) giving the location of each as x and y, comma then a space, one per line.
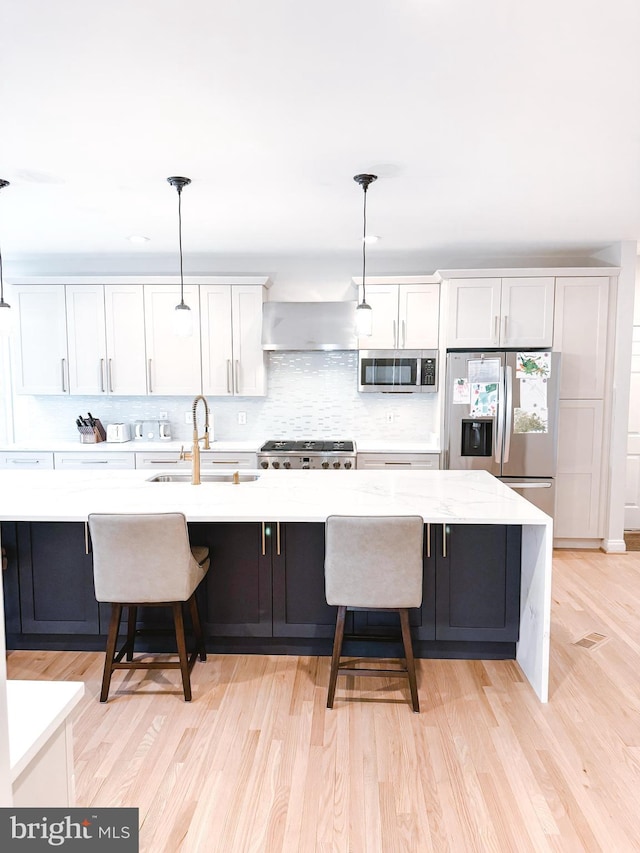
502, 417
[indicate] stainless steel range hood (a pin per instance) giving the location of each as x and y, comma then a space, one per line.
309, 326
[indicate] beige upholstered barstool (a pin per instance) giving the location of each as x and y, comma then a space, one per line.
373, 563
147, 560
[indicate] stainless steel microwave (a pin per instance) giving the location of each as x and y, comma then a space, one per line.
398, 371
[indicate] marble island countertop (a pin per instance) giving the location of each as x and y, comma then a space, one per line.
463, 497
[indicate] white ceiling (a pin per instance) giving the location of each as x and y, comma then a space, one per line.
489, 122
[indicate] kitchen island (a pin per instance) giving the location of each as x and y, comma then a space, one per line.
266, 537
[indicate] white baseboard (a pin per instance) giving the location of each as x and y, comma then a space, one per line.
614, 546
592, 544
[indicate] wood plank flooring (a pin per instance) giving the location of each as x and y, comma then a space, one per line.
257, 763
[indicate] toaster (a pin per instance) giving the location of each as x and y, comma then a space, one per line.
118, 432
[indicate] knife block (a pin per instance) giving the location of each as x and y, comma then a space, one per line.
92, 435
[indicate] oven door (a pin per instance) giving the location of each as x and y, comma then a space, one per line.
396, 371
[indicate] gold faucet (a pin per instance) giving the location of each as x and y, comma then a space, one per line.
194, 453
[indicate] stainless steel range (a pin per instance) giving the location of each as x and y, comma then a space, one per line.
308, 454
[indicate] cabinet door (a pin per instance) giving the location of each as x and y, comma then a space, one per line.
418, 315
56, 579
173, 363
238, 584
478, 582
580, 335
577, 514
249, 374
126, 359
86, 340
300, 608
383, 299
527, 312
473, 312
40, 345
217, 349
10, 582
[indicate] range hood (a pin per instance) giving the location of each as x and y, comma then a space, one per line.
309, 326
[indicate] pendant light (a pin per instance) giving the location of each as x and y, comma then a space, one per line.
364, 314
183, 319
5, 308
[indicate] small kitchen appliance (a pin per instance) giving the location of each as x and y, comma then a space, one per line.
308, 454
118, 433
152, 430
398, 371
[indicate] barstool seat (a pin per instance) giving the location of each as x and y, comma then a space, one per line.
373, 563
146, 559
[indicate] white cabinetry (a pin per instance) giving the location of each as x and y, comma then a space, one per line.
209, 459
405, 316
105, 332
22, 459
173, 363
580, 335
506, 312
398, 461
233, 362
40, 345
86, 460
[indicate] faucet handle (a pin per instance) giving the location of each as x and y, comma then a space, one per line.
182, 457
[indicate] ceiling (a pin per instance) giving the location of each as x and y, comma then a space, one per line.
488, 122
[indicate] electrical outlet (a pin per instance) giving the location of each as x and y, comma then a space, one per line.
188, 417
242, 418
389, 417
163, 416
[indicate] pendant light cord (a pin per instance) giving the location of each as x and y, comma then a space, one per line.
180, 243
364, 245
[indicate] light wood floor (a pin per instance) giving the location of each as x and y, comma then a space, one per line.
256, 762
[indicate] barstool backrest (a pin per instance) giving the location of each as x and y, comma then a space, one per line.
374, 561
140, 558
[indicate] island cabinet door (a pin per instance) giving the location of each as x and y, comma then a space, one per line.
11, 586
300, 608
477, 582
55, 568
238, 583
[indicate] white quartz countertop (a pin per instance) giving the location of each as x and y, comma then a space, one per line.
464, 497
133, 446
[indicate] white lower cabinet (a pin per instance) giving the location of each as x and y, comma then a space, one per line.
398, 461
579, 474
84, 460
209, 459
19, 460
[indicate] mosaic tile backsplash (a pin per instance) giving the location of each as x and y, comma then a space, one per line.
310, 395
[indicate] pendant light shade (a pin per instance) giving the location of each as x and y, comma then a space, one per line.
183, 318
6, 314
364, 314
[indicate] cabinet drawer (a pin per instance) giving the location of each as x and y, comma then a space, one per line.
84, 461
398, 461
218, 459
21, 459
161, 459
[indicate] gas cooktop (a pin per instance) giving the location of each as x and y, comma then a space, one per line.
308, 454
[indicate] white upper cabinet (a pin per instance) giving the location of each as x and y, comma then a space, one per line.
40, 344
405, 316
506, 312
105, 332
233, 362
173, 363
580, 335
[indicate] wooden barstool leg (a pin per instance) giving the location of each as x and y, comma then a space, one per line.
110, 651
335, 657
197, 627
408, 653
131, 630
178, 621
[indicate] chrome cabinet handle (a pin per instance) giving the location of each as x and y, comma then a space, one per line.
63, 365
149, 377
110, 376
25, 461
404, 334
496, 328
237, 377
505, 329
228, 376
395, 334
102, 375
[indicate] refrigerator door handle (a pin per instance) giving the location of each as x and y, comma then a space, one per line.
508, 413
500, 417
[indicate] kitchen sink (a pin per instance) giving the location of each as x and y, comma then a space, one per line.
204, 478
